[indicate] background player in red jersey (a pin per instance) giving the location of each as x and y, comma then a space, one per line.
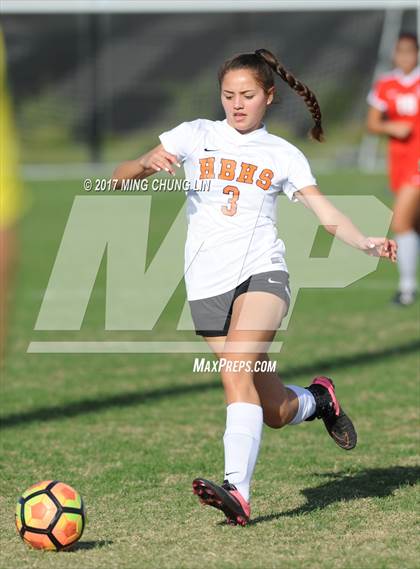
395, 111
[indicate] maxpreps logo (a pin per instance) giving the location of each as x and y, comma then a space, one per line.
116, 228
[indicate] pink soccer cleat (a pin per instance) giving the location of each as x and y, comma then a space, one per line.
225, 498
337, 423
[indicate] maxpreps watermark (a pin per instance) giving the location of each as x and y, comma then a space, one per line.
202, 365
116, 229
102, 185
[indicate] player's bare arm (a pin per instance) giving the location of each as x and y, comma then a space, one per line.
338, 224
377, 123
146, 165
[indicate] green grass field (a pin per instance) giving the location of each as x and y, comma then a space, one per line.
130, 432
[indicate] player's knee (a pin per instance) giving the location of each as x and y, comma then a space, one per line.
400, 225
236, 381
231, 376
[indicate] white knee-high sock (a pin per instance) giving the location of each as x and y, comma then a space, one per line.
408, 244
306, 404
242, 440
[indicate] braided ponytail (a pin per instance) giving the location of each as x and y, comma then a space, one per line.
301, 89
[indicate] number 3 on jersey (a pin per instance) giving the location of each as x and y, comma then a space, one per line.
231, 210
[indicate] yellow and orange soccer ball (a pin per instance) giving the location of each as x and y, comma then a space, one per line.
50, 515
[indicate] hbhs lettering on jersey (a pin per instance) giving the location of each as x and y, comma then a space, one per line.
229, 170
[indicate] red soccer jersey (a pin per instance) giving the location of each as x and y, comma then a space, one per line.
398, 96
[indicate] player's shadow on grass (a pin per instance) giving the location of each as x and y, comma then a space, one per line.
345, 487
86, 406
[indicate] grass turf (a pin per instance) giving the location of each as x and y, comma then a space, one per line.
130, 432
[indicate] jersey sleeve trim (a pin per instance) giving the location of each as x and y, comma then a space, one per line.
183, 139
299, 177
165, 139
376, 102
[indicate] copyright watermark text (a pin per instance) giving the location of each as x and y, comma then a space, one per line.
156, 185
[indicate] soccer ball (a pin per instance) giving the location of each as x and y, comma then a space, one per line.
50, 515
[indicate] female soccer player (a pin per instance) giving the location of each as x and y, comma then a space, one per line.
394, 110
235, 272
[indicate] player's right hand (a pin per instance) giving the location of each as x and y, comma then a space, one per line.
158, 159
399, 129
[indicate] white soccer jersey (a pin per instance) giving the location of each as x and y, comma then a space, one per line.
234, 180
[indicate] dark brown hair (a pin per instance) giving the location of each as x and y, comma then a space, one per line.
409, 36
262, 62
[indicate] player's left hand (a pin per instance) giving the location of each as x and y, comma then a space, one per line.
380, 247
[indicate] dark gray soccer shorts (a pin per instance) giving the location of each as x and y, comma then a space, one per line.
211, 316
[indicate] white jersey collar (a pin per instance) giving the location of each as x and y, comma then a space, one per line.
235, 136
409, 78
